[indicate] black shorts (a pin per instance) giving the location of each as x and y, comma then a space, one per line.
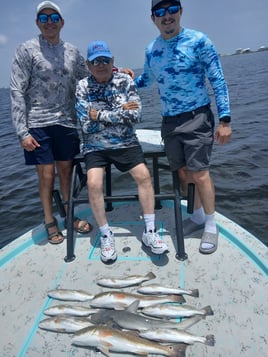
123, 159
58, 143
189, 140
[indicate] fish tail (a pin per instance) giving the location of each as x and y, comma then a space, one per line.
210, 340
177, 350
208, 310
195, 293
150, 275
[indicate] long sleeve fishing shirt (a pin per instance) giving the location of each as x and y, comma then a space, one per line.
114, 127
180, 66
43, 82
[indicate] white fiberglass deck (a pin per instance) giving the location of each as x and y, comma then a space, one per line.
233, 281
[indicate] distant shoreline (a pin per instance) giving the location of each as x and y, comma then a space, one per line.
242, 51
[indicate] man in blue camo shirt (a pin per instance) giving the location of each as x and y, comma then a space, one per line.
180, 60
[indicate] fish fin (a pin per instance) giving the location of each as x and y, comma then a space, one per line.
210, 340
195, 293
111, 324
178, 298
105, 351
178, 350
133, 307
133, 333
190, 321
208, 310
150, 275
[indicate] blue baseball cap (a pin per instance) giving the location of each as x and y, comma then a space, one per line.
98, 49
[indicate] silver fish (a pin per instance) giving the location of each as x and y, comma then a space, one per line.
70, 295
64, 324
109, 340
129, 319
125, 281
155, 289
69, 310
120, 300
174, 311
176, 336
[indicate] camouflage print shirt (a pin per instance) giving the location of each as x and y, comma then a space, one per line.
114, 127
180, 66
43, 82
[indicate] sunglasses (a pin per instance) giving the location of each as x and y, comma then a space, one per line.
43, 18
173, 9
100, 60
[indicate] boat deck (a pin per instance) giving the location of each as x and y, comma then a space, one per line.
233, 281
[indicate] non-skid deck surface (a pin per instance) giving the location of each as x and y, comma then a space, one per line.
233, 281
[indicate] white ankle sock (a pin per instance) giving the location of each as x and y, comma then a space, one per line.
210, 227
198, 216
105, 230
149, 220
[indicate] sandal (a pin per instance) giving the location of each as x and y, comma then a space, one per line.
212, 239
82, 228
52, 236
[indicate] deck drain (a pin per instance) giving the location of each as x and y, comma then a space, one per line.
126, 249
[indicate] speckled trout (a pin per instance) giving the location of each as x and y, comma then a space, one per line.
122, 282
111, 340
120, 300
155, 289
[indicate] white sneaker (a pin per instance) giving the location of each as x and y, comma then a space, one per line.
152, 240
108, 248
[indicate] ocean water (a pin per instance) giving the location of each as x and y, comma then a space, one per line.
239, 169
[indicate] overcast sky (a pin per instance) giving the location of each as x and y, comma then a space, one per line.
127, 27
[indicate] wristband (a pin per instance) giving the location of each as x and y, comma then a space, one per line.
226, 119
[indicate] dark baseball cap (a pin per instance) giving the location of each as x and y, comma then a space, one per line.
156, 3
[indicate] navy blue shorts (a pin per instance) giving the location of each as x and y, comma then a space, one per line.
123, 159
189, 142
58, 143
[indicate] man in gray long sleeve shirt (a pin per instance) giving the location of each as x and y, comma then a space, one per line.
45, 71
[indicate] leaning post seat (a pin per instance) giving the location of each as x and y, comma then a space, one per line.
153, 150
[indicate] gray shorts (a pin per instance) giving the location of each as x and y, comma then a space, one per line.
188, 140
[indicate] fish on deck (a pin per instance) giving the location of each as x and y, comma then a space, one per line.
122, 282
70, 295
129, 319
64, 324
69, 310
174, 311
108, 340
176, 336
156, 289
120, 300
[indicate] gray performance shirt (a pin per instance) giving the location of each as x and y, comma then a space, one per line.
43, 82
